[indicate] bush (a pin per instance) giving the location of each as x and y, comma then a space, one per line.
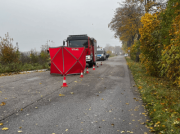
11, 60
34, 58
44, 55
25, 57
135, 51
8, 53
150, 45
170, 63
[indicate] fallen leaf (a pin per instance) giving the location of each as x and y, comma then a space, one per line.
127, 103
122, 131
20, 131
112, 124
1, 124
21, 109
40, 83
66, 130
35, 107
61, 95
75, 81
145, 132
102, 99
71, 92
5, 128
2, 104
20, 127
103, 120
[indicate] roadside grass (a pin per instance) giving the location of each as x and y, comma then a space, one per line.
161, 99
112, 55
18, 67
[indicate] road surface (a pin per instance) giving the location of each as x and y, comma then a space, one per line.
103, 102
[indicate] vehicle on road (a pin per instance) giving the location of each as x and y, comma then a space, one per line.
90, 45
107, 56
101, 54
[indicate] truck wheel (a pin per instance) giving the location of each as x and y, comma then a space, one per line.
94, 63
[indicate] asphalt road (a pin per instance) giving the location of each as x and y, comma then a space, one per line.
103, 102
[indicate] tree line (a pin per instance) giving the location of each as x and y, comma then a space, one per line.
12, 60
150, 29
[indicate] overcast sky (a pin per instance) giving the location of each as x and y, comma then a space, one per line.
32, 22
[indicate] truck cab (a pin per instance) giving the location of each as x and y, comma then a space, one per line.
90, 45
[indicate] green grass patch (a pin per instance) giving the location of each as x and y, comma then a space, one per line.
18, 67
161, 98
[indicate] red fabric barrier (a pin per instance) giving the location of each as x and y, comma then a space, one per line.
67, 60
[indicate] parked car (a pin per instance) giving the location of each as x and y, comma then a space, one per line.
101, 54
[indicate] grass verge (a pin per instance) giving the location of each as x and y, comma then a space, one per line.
18, 67
162, 100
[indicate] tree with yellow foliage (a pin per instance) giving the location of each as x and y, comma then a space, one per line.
126, 22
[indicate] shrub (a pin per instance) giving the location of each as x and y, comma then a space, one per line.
44, 55
170, 63
25, 57
33, 57
135, 51
8, 53
150, 45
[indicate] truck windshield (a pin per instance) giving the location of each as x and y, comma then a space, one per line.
78, 43
100, 52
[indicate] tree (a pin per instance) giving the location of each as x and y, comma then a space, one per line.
152, 6
170, 40
126, 22
8, 53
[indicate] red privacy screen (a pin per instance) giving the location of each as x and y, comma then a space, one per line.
67, 60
